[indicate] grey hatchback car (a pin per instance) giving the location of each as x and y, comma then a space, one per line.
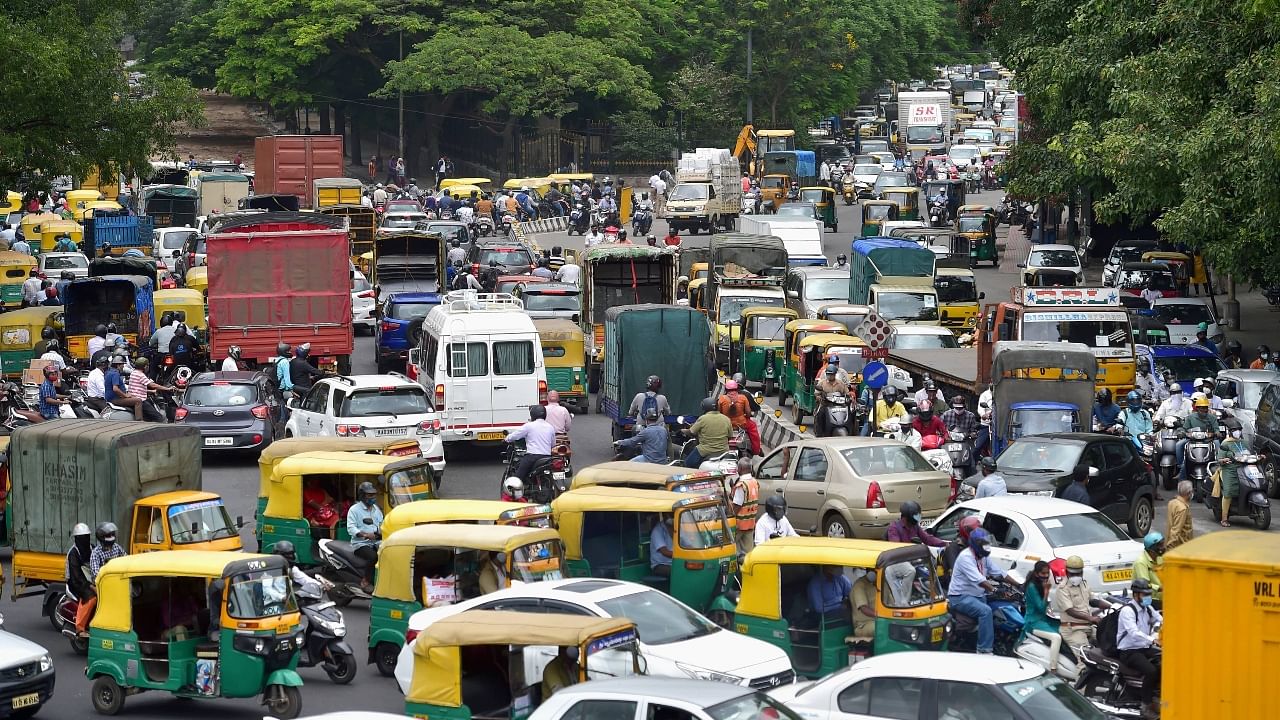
233, 410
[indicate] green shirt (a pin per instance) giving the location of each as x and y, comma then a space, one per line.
712, 431
1208, 422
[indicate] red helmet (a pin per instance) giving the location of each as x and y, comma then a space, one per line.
1057, 566
967, 525
730, 385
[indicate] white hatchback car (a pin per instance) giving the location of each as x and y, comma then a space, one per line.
382, 406
675, 640
1183, 315
937, 685
362, 302
1027, 528
1062, 257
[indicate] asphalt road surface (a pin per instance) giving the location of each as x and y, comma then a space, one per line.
471, 472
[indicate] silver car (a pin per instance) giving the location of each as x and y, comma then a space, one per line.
809, 288
26, 675
1244, 387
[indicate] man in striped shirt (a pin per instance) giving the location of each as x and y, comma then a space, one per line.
138, 386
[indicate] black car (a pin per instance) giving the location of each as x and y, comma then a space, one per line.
512, 256
233, 410
1044, 465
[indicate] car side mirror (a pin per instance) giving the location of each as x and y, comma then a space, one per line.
1022, 265
982, 296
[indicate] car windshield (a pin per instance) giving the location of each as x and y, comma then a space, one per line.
885, 460
1081, 529
200, 522
659, 617
767, 327
399, 400
564, 302
507, 257
450, 232
1127, 254
924, 134
835, 288
956, 288
65, 262
892, 180
1138, 279
408, 311
924, 342
1036, 456
175, 240
259, 594
801, 209
1054, 258
691, 191
409, 484
1185, 368
731, 307
910, 583
1183, 313
702, 528
1048, 698
221, 394
750, 707
899, 305
1097, 330
867, 169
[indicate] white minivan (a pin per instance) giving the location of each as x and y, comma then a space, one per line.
480, 360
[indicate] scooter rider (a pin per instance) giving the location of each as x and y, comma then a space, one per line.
1073, 602
828, 383
735, 406
907, 527
1201, 419
364, 525
301, 372
1105, 410
774, 523
303, 584
652, 439
651, 397
1176, 406
712, 431
77, 567
1135, 419
539, 440
888, 406
964, 529
970, 582
1137, 644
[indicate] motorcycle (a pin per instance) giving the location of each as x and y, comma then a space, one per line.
1272, 294
579, 220
641, 221
1035, 649
1199, 452
508, 224
61, 610
836, 417
1106, 682
1006, 619
483, 225
343, 570
960, 448
1162, 453
971, 181
324, 640
1251, 501
547, 479
726, 462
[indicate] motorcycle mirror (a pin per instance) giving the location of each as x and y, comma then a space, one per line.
239, 521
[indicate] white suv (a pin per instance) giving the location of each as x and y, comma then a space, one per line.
383, 406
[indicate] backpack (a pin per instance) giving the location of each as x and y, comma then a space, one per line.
273, 377
1108, 631
650, 401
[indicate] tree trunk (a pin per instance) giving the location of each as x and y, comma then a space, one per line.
357, 157
323, 112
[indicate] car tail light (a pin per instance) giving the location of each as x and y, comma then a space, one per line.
168, 360
410, 635
428, 427
388, 326
262, 412
365, 294
875, 498
349, 430
955, 490
557, 464
542, 392
179, 414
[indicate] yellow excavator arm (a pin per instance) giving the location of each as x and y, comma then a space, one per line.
746, 145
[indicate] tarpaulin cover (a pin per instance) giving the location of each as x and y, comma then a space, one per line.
666, 340
885, 257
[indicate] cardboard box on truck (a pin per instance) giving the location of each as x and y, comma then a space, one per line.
288, 164
708, 191
281, 277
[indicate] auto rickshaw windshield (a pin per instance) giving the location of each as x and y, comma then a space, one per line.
1134, 279
702, 528
731, 307
200, 522
260, 594
973, 223
910, 583
956, 288
537, 561
768, 327
876, 212
409, 484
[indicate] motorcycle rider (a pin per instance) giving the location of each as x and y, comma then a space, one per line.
283, 379
99, 339
1260, 362
595, 237
970, 582
930, 393
652, 439
303, 584
115, 391
95, 390
163, 335
888, 406
1135, 419
1144, 568
1105, 410
301, 372
139, 385
651, 397
1177, 406
1201, 419
926, 423
992, 483
49, 397
1206, 386
366, 537
774, 523
53, 356
984, 423
1073, 602
1136, 641
712, 431
77, 569
539, 439
828, 383
964, 529
1233, 357
959, 419
184, 346
457, 256
907, 527
232, 362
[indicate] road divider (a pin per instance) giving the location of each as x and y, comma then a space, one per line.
777, 431
545, 225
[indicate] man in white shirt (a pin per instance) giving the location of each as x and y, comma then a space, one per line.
1136, 641
659, 195
774, 523
52, 356
569, 273
558, 415
1151, 295
1177, 405
31, 289
932, 393
595, 237
96, 384
379, 195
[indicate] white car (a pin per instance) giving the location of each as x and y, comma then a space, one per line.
937, 685
886, 159
1026, 528
401, 222
921, 337
362, 302
26, 675
383, 406
865, 175
656, 698
55, 263
1183, 315
167, 242
676, 641
1064, 257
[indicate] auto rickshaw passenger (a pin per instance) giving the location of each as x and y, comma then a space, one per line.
493, 576
364, 524
560, 672
319, 507
180, 614
863, 600
660, 544
827, 591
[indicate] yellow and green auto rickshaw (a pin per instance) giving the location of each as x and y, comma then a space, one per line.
875, 213
52, 230
331, 480
441, 564
811, 353
564, 353
31, 224
534, 654
958, 298
977, 223
698, 295
15, 268
792, 333
78, 200
199, 625
20, 337
909, 605
12, 203
607, 532
197, 278
462, 511
272, 454
759, 347
824, 200
480, 183
1179, 263
652, 476
907, 198
186, 304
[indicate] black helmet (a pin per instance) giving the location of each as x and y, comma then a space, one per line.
48, 333
1233, 347
165, 319
654, 383
909, 509
181, 330
283, 349
708, 404
111, 327
1263, 350
52, 345
776, 506
100, 331
365, 490
105, 530
1104, 397
234, 352
537, 412
1140, 585
890, 393
285, 549
102, 359
842, 259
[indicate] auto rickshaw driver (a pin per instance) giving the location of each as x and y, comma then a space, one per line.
364, 524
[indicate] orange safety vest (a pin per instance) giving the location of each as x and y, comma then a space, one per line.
746, 514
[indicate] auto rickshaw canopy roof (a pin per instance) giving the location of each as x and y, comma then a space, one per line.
831, 339
752, 311
189, 300
596, 498
60, 226
13, 257
115, 610
464, 190
451, 182
813, 324
284, 495
558, 330
985, 209
272, 454
1156, 256
456, 510
176, 497
437, 666
646, 475
395, 558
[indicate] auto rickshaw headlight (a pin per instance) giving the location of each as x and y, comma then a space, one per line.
911, 635
250, 644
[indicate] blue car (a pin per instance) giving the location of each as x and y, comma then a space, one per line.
399, 327
1185, 362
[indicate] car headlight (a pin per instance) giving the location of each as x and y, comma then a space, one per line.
46, 663
966, 492
703, 674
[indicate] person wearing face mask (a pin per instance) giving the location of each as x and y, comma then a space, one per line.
1201, 419
364, 525
1037, 621
1136, 641
862, 598
1135, 419
79, 586
971, 580
1229, 474
1073, 602
964, 529
907, 527
660, 543
773, 523
513, 490
493, 576
1145, 566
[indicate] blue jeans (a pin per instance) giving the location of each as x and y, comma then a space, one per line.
984, 438
693, 459
978, 609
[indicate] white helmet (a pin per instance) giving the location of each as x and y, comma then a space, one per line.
1175, 388
513, 486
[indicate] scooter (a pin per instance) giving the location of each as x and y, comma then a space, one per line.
324, 636
1034, 648
960, 448
1164, 456
548, 478
1108, 684
726, 462
484, 225
579, 220
61, 608
937, 213
836, 417
344, 570
1006, 619
1199, 452
641, 221
1251, 501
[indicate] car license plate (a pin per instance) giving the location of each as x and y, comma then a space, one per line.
1124, 575
383, 432
490, 436
26, 700
557, 476
219, 441
936, 636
